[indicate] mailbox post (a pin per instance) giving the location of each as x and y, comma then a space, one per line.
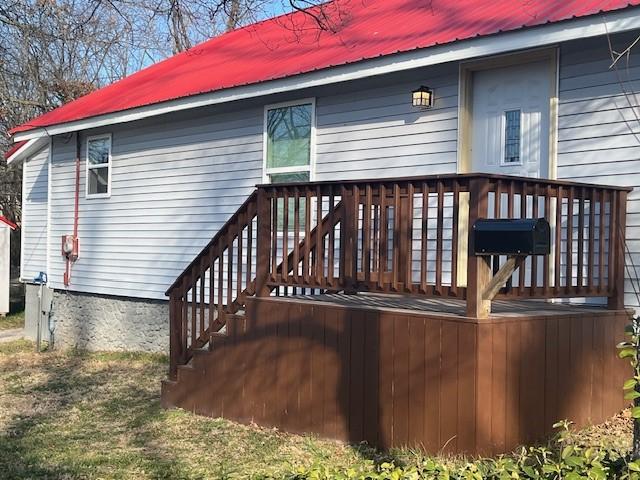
514, 238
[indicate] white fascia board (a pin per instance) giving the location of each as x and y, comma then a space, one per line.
33, 145
592, 26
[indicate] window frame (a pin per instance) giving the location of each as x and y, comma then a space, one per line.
311, 168
503, 138
88, 166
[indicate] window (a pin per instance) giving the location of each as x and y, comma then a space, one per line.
289, 129
512, 136
99, 166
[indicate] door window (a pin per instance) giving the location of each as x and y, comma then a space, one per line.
512, 136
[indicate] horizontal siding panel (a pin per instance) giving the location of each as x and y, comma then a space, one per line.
34, 215
598, 129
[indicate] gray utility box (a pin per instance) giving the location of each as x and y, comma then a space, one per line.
511, 237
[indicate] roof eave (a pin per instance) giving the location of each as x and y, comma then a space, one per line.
32, 145
545, 35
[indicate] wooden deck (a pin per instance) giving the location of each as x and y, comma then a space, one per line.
356, 311
357, 368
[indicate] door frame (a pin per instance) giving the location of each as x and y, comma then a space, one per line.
465, 103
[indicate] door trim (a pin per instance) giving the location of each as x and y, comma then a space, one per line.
465, 96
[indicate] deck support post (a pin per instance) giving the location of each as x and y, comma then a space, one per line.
263, 243
175, 347
478, 267
618, 219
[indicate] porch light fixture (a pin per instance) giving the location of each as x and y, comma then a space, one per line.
422, 97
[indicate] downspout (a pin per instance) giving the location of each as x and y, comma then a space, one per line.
70, 256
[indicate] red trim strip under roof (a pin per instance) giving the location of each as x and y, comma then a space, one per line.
13, 149
293, 44
12, 225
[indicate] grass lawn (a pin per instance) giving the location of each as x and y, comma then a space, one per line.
14, 320
73, 415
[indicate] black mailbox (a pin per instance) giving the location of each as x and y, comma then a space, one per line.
511, 237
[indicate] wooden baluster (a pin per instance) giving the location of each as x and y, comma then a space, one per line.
201, 299
355, 217
424, 241
547, 258
591, 249
569, 274
558, 246
454, 238
511, 200
306, 262
522, 270
601, 241
439, 236
534, 258
366, 235
296, 235
194, 307
239, 256
230, 238
375, 248
408, 239
396, 237
332, 237
384, 239
274, 236
249, 256
285, 236
319, 267
185, 318
616, 279
211, 262
497, 199
263, 245
580, 271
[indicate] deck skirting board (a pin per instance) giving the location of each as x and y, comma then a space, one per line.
409, 378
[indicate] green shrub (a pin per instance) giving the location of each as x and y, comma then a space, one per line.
563, 459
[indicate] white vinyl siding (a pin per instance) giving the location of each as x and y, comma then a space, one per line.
376, 132
34, 215
598, 138
173, 186
175, 183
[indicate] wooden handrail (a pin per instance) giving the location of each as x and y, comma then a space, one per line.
409, 235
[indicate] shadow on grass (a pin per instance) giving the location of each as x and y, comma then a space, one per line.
79, 422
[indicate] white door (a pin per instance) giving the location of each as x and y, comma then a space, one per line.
510, 120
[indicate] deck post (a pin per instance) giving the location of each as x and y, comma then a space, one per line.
618, 221
174, 336
263, 243
478, 267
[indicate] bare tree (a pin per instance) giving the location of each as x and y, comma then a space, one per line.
53, 51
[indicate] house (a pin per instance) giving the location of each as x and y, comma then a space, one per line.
345, 295
6, 226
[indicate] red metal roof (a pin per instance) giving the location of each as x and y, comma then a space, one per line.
5, 220
292, 44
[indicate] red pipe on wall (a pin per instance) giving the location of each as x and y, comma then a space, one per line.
67, 273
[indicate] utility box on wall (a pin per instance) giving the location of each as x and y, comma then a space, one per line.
5, 263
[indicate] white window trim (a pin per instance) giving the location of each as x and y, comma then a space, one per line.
311, 168
88, 167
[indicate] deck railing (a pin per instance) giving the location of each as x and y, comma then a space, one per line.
408, 236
